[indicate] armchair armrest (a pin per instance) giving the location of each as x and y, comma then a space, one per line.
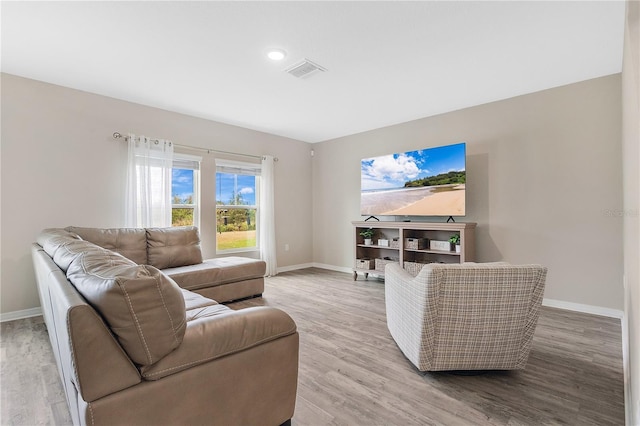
411, 309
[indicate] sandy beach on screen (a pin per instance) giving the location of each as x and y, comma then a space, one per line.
451, 202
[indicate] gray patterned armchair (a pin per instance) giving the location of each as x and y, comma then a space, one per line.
470, 316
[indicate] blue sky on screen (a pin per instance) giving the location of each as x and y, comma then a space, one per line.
227, 185
392, 171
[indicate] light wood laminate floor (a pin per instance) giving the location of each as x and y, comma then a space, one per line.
352, 372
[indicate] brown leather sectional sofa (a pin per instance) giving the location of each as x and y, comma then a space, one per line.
176, 251
135, 346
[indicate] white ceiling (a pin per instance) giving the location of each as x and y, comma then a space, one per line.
387, 62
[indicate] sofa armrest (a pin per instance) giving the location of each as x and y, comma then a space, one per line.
95, 351
221, 335
83, 345
256, 386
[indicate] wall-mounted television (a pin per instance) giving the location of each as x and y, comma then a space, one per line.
427, 182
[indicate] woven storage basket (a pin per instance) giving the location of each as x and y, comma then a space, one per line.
381, 263
365, 263
440, 245
415, 243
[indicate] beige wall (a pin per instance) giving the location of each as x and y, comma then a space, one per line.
544, 179
60, 166
631, 184
544, 184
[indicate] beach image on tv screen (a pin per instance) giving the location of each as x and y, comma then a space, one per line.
427, 182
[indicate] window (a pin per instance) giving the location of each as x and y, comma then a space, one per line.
185, 184
237, 201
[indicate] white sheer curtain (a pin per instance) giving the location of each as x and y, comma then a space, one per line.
267, 227
148, 191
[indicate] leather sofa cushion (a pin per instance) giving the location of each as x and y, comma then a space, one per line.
194, 300
129, 242
218, 331
62, 246
144, 308
205, 311
171, 247
213, 272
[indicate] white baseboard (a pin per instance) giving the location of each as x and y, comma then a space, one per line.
295, 267
16, 315
315, 265
333, 268
587, 309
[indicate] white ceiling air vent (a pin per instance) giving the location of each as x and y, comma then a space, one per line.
304, 69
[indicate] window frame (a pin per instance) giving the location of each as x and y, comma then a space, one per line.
240, 168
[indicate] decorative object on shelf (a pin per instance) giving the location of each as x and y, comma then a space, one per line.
383, 242
439, 245
395, 243
455, 241
365, 264
415, 243
368, 235
381, 263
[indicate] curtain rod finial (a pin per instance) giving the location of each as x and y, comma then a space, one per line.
116, 135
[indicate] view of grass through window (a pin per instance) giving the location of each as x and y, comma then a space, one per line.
230, 240
235, 211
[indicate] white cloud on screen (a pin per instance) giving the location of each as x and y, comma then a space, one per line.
388, 172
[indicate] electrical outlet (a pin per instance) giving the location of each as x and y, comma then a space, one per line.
286, 247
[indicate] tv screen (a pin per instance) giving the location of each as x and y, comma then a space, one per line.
428, 182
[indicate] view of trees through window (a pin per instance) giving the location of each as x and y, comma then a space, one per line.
182, 197
235, 211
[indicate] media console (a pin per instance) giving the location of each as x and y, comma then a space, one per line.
409, 243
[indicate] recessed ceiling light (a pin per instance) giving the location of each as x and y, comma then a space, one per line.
276, 54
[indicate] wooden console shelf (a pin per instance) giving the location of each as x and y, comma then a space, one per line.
408, 243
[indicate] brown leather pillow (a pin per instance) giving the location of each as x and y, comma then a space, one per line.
129, 242
172, 247
143, 307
